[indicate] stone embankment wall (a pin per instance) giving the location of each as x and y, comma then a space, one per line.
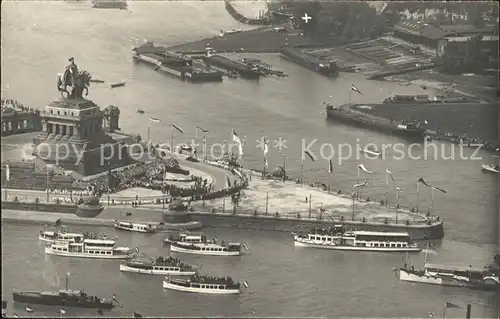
26, 175
239, 17
39, 207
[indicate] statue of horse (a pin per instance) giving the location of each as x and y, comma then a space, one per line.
79, 83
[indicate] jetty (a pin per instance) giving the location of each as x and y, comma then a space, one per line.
244, 70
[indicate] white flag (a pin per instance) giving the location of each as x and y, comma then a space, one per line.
360, 185
363, 168
266, 148
7, 172
238, 141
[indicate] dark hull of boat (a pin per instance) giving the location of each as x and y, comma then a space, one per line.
347, 117
55, 300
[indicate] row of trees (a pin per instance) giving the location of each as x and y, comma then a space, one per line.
358, 20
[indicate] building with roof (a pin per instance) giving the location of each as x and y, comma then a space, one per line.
438, 37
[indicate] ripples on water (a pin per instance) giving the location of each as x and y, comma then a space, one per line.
38, 38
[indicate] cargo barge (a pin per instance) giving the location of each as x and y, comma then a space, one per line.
309, 61
345, 113
175, 64
110, 4
244, 70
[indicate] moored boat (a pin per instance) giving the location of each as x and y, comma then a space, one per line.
491, 168
63, 298
135, 227
115, 85
159, 266
50, 236
204, 284
468, 277
140, 111
338, 238
91, 248
198, 244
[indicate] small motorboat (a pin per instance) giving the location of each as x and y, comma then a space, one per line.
97, 81
115, 85
370, 152
491, 168
140, 111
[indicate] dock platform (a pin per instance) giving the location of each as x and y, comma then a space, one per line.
232, 65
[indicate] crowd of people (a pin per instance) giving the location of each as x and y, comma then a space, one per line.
13, 105
464, 139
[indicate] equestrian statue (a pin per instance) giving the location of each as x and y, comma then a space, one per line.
79, 81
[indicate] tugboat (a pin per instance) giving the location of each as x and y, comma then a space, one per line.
204, 284
91, 248
338, 238
486, 279
64, 298
135, 227
199, 245
159, 266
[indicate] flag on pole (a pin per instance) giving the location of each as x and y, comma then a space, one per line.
450, 305
63, 312
330, 167
389, 174
7, 172
201, 129
15, 315
245, 283
266, 148
228, 182
178, 128
360, 185
29, 309
308, 155
355, 89
152, 119
421, 180
363, 168
439, 189
114, 296
238, 141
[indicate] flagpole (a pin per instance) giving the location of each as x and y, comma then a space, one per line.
47, 182
205, 145
350, 94
418, 195
302, 171
352, 206
329, 179
196, 143
267, 202
387, 189
397, 204
149, 133
444, 311
172, 142
357, 182
284, 166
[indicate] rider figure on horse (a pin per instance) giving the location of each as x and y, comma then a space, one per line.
73, 70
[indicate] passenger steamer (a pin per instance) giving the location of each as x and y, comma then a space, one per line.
90, 248
339, 239
198, 244
204, 284
159, 266
135, 227
475, 278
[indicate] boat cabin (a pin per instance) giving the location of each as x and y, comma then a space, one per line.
190, 238
205, 283
377, 239
57, 236
89, 246
454, 271
135, 227
418, 98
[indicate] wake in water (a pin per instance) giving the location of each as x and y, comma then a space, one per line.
429, 252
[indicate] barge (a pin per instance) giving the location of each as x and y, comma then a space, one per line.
241, 68
309, 61
175, 64
110, 4
345, 113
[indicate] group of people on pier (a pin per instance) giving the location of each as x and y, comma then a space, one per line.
9, 105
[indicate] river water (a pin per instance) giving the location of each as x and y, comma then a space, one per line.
39, 37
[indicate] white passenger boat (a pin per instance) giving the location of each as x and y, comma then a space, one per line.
91, 248
475, 278
50, 236
491, 168
135, 227
204, 285
338, 238
370, 152
199, 245
159, 266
